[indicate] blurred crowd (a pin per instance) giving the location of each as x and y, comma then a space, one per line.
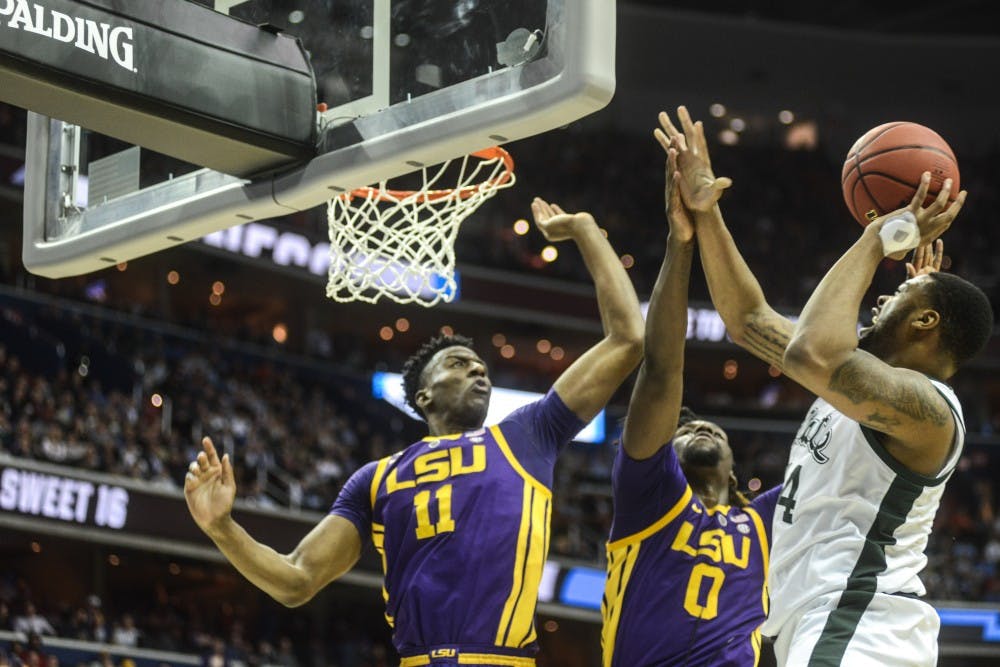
223, 634
97, 394
785, 210
77, 390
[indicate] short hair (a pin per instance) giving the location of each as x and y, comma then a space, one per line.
686, 415
413, 369
966, 315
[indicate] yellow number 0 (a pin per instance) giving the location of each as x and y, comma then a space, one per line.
710, 609
421, 504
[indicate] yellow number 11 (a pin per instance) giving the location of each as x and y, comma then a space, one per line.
421, 505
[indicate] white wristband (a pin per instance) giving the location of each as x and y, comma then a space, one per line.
899, 233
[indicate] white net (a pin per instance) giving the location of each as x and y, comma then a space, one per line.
401, 244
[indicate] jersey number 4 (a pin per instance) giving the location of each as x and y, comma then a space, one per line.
787, 499
421, 506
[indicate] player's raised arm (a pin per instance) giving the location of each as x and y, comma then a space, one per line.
328, 551
587, 385
749, 319
656, 397
886, 388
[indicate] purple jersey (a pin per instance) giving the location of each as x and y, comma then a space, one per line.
686, 583
462, 525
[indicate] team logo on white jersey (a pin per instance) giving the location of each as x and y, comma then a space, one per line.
815, 434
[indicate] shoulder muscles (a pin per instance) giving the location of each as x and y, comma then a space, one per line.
898, 402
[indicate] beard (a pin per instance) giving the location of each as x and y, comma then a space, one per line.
702, 454
472, 414
879, 341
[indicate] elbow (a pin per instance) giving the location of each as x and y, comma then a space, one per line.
293, 597
632, 345
803, 357
294, 591
626, 344
738, 334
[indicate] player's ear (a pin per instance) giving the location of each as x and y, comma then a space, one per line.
423, 399
926, 319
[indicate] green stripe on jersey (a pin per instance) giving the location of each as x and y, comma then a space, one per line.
861, 584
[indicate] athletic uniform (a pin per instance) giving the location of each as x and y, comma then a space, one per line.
686, 583
462, 525
850, 532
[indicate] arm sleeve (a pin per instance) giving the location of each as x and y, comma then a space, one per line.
354, 502
765, 504
537, 432
644, 490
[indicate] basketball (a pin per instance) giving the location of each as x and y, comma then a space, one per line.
883, 168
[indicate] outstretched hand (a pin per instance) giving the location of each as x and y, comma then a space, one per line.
926, 259
209, 487
699, 187
933, 220
678, 217
556, 224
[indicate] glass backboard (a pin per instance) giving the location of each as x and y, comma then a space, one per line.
401, 84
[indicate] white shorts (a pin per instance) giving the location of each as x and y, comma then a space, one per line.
890, 631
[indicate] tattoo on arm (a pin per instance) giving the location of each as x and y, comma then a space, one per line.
880, 422
918, 403
765, 340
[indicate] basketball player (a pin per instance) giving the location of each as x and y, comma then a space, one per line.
460, 518
688, 554
868, 466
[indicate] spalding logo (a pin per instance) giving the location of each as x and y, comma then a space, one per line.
107, 43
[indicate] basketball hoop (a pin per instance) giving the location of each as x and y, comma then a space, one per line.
400, 244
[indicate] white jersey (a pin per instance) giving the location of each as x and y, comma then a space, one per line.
851, 520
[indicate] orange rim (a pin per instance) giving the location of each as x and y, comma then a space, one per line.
494, 153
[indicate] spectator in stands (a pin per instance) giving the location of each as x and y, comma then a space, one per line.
125, 633
6, 623
286, 655
31, 654
216, 657
31, 622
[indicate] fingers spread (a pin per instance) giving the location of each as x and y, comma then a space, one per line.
227, 470
209, 448
699, 140
668, 127
941, 201
212, 455
685, 118
956, 205
662, 138
918, 198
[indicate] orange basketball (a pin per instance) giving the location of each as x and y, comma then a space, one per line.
883, 168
